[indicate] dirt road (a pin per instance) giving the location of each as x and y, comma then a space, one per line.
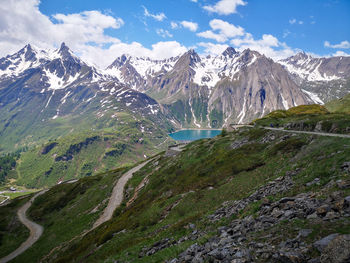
117, 195
309, 132
35, 230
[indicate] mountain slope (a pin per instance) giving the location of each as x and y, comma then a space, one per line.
324, 79
246, 195
215, 90
61, 94
341, 105
59, 98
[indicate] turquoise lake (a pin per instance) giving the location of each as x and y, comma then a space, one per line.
192, 135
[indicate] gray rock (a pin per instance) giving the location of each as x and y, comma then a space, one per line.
347, 200
291, 257
286, 199
321, 244
346, 166
305, 232
331, 215
314, 260
216, 253
312, 216
337, 251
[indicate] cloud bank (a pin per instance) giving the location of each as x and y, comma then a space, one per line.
21, 22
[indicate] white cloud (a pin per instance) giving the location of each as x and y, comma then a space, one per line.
174, 25
340, 53
21, 22
225, 7
158, 17
268, 45
211, 35
225, 31
225, 28
163, 33
344, 44
160, 50
292, 21
286, 33
213, 49
190, 25
194, 1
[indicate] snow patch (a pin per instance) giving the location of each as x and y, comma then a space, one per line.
284, 102
313, 96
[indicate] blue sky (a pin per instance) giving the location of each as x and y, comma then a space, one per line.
100, 30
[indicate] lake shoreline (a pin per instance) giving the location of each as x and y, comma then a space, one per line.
197, 129
188, 134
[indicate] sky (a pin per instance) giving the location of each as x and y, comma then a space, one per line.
101, 30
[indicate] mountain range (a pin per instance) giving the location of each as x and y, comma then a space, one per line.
54, 100
213, 91
193, 91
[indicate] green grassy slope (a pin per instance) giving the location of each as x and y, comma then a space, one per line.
184, 189
68, 209
91, 152
12, 231
341, 106
308, 118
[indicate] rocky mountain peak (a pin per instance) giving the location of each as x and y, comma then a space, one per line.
229, 52
301, 56
64, 51
249, 56
190, 58
29, 53
120, 61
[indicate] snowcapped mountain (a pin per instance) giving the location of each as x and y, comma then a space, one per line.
309, 68
189, 90
134, 71
57, 69
323, 79
39, 89
213, 91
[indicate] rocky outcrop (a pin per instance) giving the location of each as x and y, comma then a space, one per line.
337, 250
236, 242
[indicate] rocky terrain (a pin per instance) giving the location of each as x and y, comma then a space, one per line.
237, 242
324, 79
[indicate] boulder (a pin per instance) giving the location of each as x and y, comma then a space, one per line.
337, 250
324, 242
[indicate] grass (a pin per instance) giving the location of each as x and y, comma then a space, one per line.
340, 106
308, 118
12, 231
183, 189
206, 174
66, 210
18, 194
89, 153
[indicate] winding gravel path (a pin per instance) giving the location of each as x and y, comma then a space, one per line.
308, 132
117, 195
35, 230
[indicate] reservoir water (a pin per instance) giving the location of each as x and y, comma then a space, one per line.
192, 135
